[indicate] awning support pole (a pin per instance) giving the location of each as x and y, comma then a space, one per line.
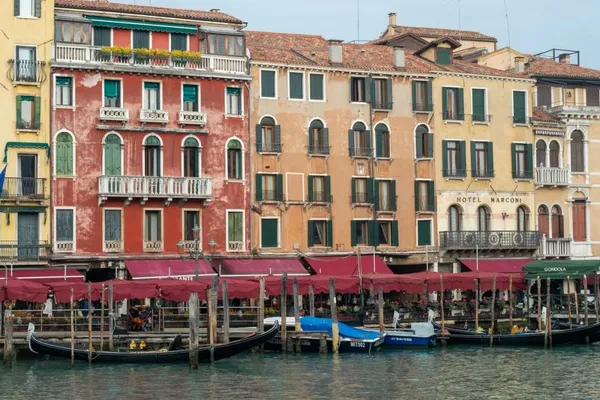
539, 298
585, 295
493, 310
476, 304
283, 312
548, 314
510, 300
569, 301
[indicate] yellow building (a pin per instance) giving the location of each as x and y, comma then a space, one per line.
25, 45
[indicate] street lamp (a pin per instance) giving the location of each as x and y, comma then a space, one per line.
195, 250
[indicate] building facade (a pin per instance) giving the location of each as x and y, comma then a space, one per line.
149, 134
27, 28
331, 166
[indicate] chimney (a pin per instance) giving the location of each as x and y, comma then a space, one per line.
391, 23
399, 61
335, 51
564, 58
215, 9
519, 64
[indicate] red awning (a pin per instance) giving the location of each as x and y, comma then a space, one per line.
43, 275
162, 269
262, 267
497, 265
347, 265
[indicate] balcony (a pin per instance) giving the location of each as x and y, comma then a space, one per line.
548, 176
113, 246
422, 107
554, 248
74, 56
575, 111
64, 246
114, 114
453, 116
153, 246
268, 147
192, 118
12, 251
318, 150
27, 72
319, 198
463, 240
382, 105
25, 125
154, 116
24, 189
145, 187
235, 245
360, 152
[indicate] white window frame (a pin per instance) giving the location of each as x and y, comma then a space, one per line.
364, 77
122, 96
65, 208
149, 39
104, 150
232, 210
278, 232
199, 211
160, 155
454, 121
431, 231
391, 222
187, 44
73, 103
324, 87
199, 155
303, 85
54, 176
227, 178
374, 140
162, 226
160, 93
197, 84
111, 39
321, 246
104, 209
242, 111
361, 220
32, 16
260, 83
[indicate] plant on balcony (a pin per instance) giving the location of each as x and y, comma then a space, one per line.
184, 55
142, 54
116, 50
159, 54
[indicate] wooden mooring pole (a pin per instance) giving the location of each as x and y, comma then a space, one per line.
213, 312
260, 324
296, 343
585, 296
72, 329
510, 301
380, 304
476, 304
547, 341
111, 316
9, 349
283, 306
596, 306
442, 305
569, 301
539, 298
89, 312
335, 329
102, 319
225, 314
311, 300
493, 310
193, 323
576, 303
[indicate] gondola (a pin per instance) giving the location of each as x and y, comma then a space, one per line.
463, 331
173, 354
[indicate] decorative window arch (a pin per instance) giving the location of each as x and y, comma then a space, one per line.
112, 147
483, 219
234, 159
191, 151
318, 137
64, 154
558, 224
543, 220
268, 135
359, 140
554, 154
577, 151
540, 153
522, 219
424, 141
152, 162
454, 218
382, 141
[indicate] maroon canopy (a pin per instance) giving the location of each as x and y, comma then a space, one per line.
397, 283
17, 289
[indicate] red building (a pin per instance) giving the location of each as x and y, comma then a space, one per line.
150, 133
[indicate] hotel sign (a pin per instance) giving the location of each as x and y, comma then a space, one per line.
493, 199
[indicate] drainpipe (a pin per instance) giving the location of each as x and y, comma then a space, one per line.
250, 160
49, 161
372, 167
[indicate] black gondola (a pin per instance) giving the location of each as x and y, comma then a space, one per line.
170, 355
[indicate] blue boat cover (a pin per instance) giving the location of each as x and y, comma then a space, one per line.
312, 324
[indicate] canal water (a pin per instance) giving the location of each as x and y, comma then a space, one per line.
450, 373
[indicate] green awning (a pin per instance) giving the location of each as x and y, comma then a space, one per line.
141, 25
561, 269
26, 145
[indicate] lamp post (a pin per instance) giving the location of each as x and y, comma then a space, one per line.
195, 251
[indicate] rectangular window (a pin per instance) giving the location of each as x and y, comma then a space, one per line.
520, 156
64, 225
357, 87
152, 96
519, 107
522, 160
235, 230
381, 95
73, 32
102, 36
269, 232
317, 86
421, 93
153, 231
361, 232
424, 233
63, 91
112, 93
384, 233
269, 188
443, 56
179, 41
26, 64
232, 45
454, 158
452, 106
190, 98
234, 101
479, 106
424, 196
592, 96
141, 40
112, 226
320, 233
317, 188
191, 225
296, 81
27, 8
269, 139
481, 160
385, 196
361, 190
544, 95
267, 84
360, 146
28, 112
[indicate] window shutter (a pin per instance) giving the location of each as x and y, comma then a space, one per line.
393, 195
431, 196
529, 161
478, 104
473, 160
369, 90
352, 80
38, 8
394, 233
370, 182
267, 83
388, 92
17, 7
417, 196
445, 167
259, 194
353, 190
378, 143
353, 238
430, 144
326, 140
238, 167
368, 141
329, 233
419, 143
19, 100
519, 107
513, 158
376, 199
462, 158
461, 104
373, 233
37, 106
279, 187
328, 189
490, 159
190, 93
351, 142
429, 94
311, 141
278, 138
259, 138
414, 95
424, 233
445, 103
310, 188
311, 228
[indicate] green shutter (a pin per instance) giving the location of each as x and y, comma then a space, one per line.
311, 141
429, 96
179, 41
393, 195
353, 238
296, 89
354, 190
378, 143
394, 233
259, 194
443, 56
63, 81
461, 104
112, 155
368, 137
431, 196
351, 150
316, 87
267, 83
278, 138
462, 158
259, 138
445, 166
37, 12
417, 208
370, 182
17, 7
376, 199
269, 232
329, 233
327, 189
37, 103
190, 93
311, 228
326, 140
141, 39
389, 95
64, 155
445, 103
424, 233
478, 105
369, 90
529, 161
373, 238
279, 183
490, 159
111, 89
429, 145
414, 96
513, 158
419, 143
311, 186
19, 100
519, 110
473, 160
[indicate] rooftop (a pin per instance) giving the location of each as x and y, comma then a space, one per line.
538, 66
539, 115
105, 5
435, 33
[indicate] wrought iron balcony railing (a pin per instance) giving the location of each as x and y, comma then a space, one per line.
23, 189
318, 150
27, 71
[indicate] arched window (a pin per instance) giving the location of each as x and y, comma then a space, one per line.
454, 219
359, 140
577, 164
112, 155
557, 223
268, 136
540, 154
522, 219
483, 219
234, 160
554, 154
191, 157
152, 156
424, 142
543, 220
318, 138
63, 155
382, 141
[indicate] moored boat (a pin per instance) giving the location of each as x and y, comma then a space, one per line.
420, 334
